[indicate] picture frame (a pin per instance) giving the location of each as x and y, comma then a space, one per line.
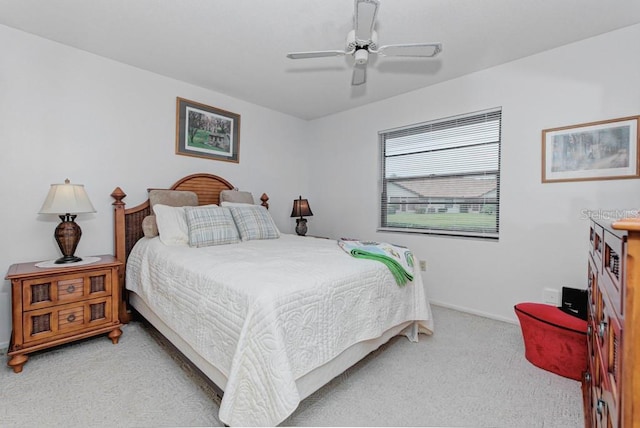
207, 132
604, 150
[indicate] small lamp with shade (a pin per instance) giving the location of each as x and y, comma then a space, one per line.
67, 201
301, 209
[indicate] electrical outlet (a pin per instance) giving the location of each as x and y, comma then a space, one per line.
423, 265
551, 296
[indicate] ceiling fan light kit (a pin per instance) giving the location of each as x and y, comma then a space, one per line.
361, 56
363, 40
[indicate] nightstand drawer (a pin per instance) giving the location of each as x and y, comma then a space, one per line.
41, 324
70, 289
49, 291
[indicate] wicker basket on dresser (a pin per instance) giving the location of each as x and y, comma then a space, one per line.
612, 382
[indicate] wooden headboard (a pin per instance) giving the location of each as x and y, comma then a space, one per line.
128, 221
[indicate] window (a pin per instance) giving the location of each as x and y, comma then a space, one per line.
443, 177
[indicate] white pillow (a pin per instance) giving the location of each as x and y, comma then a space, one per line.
172, 225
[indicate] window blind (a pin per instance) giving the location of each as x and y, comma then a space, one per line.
443, 176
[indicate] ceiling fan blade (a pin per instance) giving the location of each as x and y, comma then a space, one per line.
365, 18
424, 50
315, 54
359, 74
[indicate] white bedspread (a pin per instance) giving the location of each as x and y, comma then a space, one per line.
268, 312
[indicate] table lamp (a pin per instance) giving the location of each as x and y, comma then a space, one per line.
301, 209
67, 200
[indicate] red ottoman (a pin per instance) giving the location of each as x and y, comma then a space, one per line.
553, 340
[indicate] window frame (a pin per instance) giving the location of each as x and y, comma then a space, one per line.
468, 203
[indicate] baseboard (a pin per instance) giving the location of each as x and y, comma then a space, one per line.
473, 312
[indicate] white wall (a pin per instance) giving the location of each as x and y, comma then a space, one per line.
543, 237
65, 113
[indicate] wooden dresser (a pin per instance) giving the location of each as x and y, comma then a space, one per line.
56, 305
612, 382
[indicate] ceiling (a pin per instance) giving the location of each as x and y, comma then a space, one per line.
238, 47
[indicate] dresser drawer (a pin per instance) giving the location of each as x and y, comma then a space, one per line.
53, 290
604, 350
596, 236
41, 324
612, 366
613, 266
597, 404
592, 287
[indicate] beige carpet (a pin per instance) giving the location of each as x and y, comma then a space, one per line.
471, 373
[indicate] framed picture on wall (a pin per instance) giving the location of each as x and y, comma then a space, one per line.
604, 150
207, 132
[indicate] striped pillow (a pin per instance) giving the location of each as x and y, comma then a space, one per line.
210, 225
254, 222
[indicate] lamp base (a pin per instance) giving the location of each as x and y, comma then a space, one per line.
68, 259
301, 226
67, 236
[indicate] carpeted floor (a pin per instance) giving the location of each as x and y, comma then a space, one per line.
471, 372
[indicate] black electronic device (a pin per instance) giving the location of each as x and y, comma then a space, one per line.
574, 302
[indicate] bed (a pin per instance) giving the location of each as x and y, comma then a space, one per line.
269, 321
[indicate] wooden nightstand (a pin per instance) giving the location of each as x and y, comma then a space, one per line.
56, 305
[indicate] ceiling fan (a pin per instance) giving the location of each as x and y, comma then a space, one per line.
363, 41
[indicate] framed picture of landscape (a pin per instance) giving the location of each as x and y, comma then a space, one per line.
604, 150
207, 132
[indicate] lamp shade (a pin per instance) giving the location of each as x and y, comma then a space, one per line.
67, 198
301, 208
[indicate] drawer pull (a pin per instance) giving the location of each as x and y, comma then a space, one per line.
602, 328
71, 289
71, 318
600, 407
